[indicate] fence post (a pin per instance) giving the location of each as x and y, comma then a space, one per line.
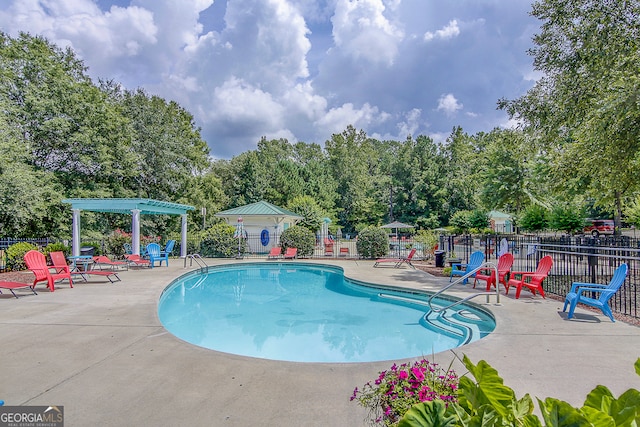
592, 260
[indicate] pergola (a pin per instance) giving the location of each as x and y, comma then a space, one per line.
135, 207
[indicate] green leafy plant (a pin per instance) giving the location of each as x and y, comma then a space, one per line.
218, 241
298, 237
115, 242
56, 247
395, 391
15, 255
429, 241
373, 242
486, 401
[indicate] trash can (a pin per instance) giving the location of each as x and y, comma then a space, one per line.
440, 258
87, 250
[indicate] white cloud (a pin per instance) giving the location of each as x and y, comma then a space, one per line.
300, 69
361, 30
448, 32
237, 100
337, 119
448, 104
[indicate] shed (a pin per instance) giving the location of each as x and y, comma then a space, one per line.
500, 222
261, 219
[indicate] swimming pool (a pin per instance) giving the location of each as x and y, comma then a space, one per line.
310, 313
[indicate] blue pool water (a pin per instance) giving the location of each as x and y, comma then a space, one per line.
309, 313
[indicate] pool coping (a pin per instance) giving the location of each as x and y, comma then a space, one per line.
100, 351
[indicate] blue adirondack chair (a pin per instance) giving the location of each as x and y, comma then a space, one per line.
579, 293
154, 254
475, 260
168, 249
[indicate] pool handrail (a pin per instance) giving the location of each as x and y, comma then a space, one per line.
198, 259
484, 265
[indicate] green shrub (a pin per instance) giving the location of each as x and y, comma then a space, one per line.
372, 242
298, 237
15, 255
429, 240
56, 247
114, 244
218, 241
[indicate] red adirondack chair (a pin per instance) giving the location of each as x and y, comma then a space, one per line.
290, 253
489, 275
37, 263
532, 279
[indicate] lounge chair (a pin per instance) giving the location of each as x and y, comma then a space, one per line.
475, 260
489, 275
275, 252
531, 279
155, 255
37, 263
344, 251
102, 260
60, 263
13, 286
397, 262
137, 260
579, 291
290, 253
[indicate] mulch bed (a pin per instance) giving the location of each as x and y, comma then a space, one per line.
17, 276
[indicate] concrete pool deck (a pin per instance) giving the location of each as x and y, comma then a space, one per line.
100, 351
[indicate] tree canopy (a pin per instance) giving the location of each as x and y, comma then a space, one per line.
577, 149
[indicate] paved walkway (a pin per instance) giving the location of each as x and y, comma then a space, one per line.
100, 350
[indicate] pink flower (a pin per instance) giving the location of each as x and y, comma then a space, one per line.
403, 375
418, 373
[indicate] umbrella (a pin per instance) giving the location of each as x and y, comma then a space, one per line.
397, 225
239, 234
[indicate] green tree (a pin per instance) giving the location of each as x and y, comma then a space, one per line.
632, 212
583, 113
318, 182
353, 162
461, 170
461, 221
478, 219
504, 174
534, 218
167, 145
307, 207
566, 217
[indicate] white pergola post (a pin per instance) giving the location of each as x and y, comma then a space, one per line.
75, 244
183, 240
135, 231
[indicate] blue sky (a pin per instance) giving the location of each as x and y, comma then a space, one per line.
302, 69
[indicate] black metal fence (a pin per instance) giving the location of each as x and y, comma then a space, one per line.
575, 259
6, 242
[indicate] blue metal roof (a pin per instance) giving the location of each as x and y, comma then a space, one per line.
125, 206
